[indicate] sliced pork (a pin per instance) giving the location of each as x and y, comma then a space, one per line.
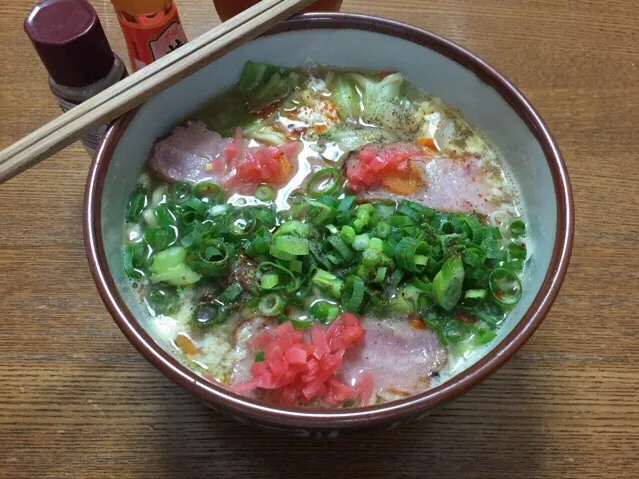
400, 358
187, 153
460, 184
192, 153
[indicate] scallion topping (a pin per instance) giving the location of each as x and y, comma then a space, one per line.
264, 193
325, 255
324, 182
505, 286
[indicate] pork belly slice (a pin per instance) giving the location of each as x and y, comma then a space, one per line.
400, 357
187, 153
461, 185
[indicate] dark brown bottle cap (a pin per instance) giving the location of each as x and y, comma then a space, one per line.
68, 36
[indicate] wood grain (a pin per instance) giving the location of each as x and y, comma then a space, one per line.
77, 401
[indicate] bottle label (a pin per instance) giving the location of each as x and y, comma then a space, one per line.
146, 45
91, 140
170, 39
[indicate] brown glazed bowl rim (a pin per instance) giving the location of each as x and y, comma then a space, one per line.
384, 415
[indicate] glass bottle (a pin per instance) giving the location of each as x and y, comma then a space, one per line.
71, 43
229, 8
151, 28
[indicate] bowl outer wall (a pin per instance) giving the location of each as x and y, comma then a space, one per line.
312, 422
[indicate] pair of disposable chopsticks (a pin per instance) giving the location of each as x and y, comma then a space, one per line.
142, 85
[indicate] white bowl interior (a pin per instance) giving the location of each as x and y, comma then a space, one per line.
479, 103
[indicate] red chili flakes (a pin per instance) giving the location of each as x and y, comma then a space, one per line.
417, 324
466, 318
266, 112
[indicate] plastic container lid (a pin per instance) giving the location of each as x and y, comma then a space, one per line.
138, 7
68, 36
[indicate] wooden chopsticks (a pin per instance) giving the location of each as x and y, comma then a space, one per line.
142, 85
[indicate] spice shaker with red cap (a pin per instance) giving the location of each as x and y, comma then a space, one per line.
68, 36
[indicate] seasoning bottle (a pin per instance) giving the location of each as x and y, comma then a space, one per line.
151, 29
227, 9
71, 43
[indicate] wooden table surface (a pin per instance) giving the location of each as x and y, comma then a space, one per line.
77, 401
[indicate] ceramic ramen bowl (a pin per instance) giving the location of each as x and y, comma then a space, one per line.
483, 96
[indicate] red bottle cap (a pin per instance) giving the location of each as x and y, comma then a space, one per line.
68, 36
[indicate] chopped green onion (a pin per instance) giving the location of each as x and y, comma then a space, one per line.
382, 230
333, 229
484, 336
346, 203
396, 278
411, 254
329, 282
231, 294
324, 311
353, 294
162, 299
180, 275
296, 197
488, 318
271, 304
360, 242
505, 286
296, 228
517, 251
160, 238
208, 191
374, 255
517, 266
348, 234
194, 238
302, 322
179, 193
296, 266
475, 296
165, 216
341, 247
241, 222
425, 211
209, 314
134, 260
137, 202
324, 182
189, 217
517, 228
405, 300
424, 286
260, 242
400, 221
447, 285
264, 193
218, 210
380, 275
291, 245
210, 258
259, 357
474, 256
197, 205
168, 259
272, 277
409, 212
269, 281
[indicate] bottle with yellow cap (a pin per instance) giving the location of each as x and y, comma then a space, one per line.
151, 29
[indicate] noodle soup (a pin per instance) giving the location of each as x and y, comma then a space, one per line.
323, 237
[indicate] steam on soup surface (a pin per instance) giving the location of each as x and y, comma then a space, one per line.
327, 238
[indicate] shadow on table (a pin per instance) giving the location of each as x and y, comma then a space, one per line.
491, 432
